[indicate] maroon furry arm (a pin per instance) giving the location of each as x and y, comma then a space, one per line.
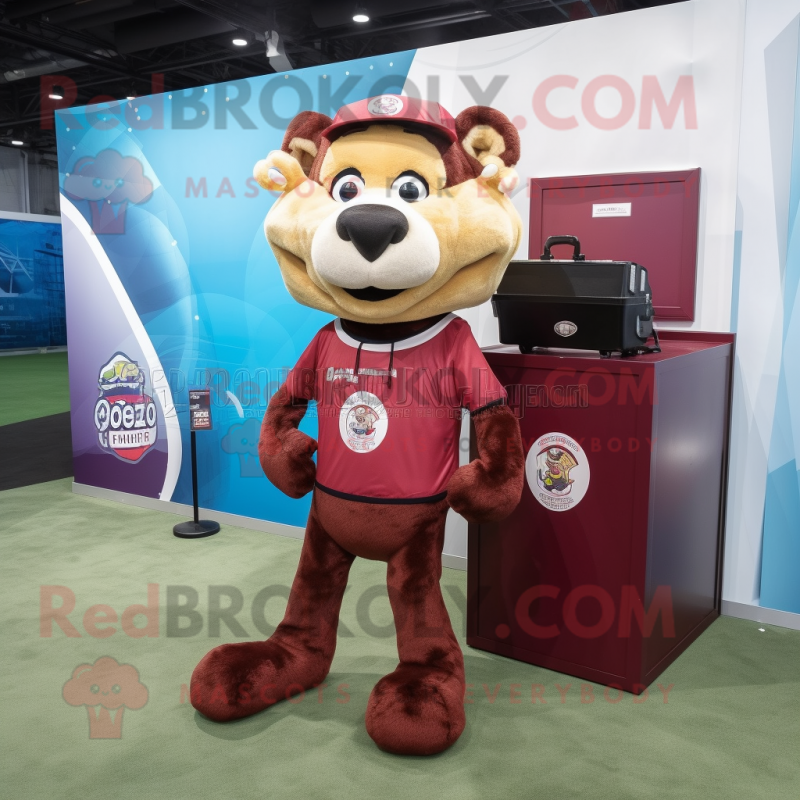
489, 488
284, 451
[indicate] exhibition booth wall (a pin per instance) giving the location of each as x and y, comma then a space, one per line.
762, 554
171, 285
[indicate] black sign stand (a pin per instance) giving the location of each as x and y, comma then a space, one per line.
197, 528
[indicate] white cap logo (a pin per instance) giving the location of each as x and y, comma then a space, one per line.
385, 105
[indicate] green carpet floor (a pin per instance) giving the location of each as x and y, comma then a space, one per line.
730, 728
33, 386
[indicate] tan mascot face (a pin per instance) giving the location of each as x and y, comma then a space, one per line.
394, 211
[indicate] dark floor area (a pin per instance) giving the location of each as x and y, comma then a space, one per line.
35, 451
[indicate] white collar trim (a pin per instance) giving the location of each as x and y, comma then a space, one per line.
402, 344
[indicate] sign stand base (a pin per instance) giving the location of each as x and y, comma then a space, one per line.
196, 528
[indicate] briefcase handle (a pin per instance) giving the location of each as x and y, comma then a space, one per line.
573, 240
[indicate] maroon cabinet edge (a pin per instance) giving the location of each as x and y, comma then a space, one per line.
639, 673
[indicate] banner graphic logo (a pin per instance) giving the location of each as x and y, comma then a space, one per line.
109, 182
125, 417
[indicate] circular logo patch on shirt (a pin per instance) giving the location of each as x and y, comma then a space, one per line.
557, 470
363, 422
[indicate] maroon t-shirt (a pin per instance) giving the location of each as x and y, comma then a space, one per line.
392, 436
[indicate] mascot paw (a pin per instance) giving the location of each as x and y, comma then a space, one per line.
472, 494
416, 710
489, 488
289, 465
237, 680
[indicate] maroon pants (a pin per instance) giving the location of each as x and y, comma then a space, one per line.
418, 708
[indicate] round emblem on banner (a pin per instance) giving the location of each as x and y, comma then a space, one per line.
385, 105
363, 422
557, 470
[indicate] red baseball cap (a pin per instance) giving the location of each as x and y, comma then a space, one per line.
392, 108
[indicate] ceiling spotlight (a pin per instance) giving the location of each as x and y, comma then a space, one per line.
360, 14
239, 42
56, 95
17, 142
241, 39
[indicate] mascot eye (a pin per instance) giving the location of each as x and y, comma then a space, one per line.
97, 182
120, 181
347, 186
410, 187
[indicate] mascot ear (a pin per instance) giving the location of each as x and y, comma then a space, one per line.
488, 135
302, 137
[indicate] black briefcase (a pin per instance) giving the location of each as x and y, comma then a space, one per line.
575, 303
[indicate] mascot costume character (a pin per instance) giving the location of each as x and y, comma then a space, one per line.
391, 216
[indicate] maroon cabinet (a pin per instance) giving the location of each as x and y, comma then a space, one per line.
611, 564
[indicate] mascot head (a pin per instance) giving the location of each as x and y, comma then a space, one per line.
393, 211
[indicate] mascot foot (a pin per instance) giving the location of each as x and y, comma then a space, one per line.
416, 710
236, 680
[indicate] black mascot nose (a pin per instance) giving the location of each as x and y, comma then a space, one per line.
372, 228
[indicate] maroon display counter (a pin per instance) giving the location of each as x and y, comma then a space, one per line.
611, 564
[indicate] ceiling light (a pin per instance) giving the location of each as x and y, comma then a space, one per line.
240, 42
360, 14
56, 95
17, 142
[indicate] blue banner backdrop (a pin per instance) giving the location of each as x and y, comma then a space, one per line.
171, 283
